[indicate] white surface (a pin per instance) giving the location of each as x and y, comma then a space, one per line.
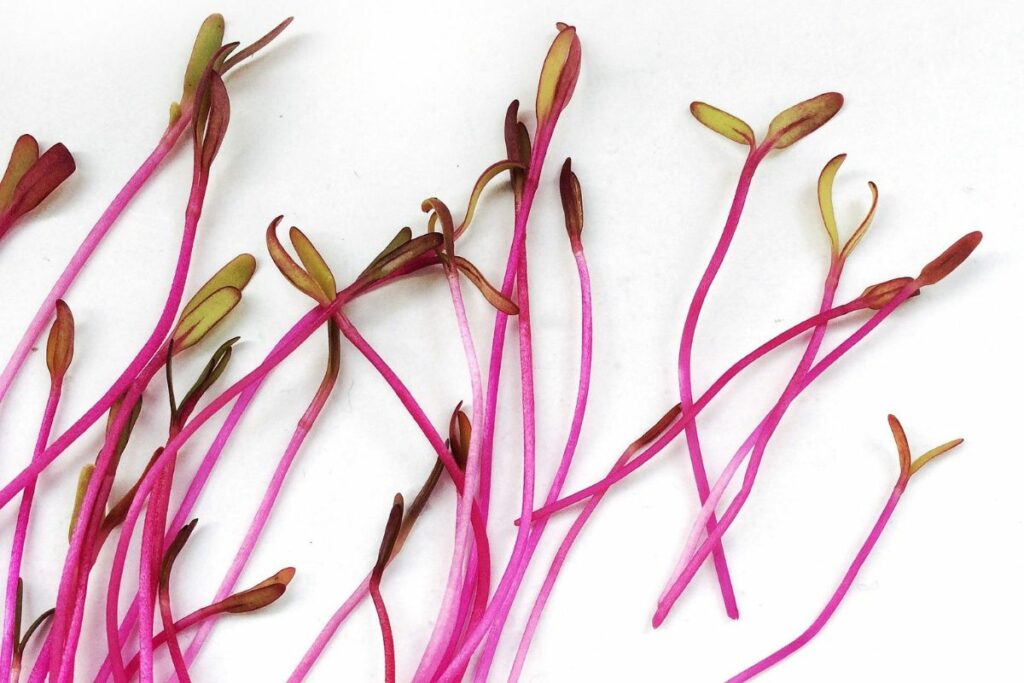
358, 114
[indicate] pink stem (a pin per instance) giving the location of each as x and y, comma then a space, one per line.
700, 475
619, 473
806, 360
576, 425
273, 490
755, 459
86, 249
837, 596
385, 629
328, 631
21, 534
448, 613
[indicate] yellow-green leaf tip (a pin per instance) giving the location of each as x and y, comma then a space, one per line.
723, 123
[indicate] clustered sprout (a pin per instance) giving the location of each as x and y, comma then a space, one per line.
478, 596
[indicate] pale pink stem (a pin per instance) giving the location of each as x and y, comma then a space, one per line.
328, 631
299, 333
576, 425
87, 247
755, 459
837, 596
447, 615
273, 491
21, 534
715, 495
552, 575
700, 475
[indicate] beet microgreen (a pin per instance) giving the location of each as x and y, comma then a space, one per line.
908, 467
208, 42
60, 346
837, 261
30, 178
785, 129
472, 618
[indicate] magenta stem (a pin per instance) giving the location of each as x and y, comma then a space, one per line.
837, 596
273, 490
21, 533
572, 441
619, 473
444, 627
755, 459
86, 249
385, 629
700, 475
804, 364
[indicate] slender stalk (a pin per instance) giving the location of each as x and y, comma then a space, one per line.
21, 534
619, 473
806, 360
570, 538
572, 441
447, 615
837, 596
755, 459
700, 475
87, 247
273, 490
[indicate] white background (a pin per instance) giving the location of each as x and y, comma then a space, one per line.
358, 114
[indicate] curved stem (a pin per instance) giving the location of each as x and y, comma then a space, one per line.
755, 459
700, 475
21, 535
837, 596
87, 247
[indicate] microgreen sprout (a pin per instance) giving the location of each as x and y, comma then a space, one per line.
908, 468
30, 178
474, 613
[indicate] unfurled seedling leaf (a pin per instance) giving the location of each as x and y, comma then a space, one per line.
902, 445
208, 42
909, 467
292, 271
489, 174
802, 119
24, 154
84, 476
314, 264
60, 345
236, 273
558, 76
264, 593
878, 296
442, 214
924, 459
250, 50
37, 181
825, 202
572, 201
489, 291
723, 123
197, 324
950, 259
23, 642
